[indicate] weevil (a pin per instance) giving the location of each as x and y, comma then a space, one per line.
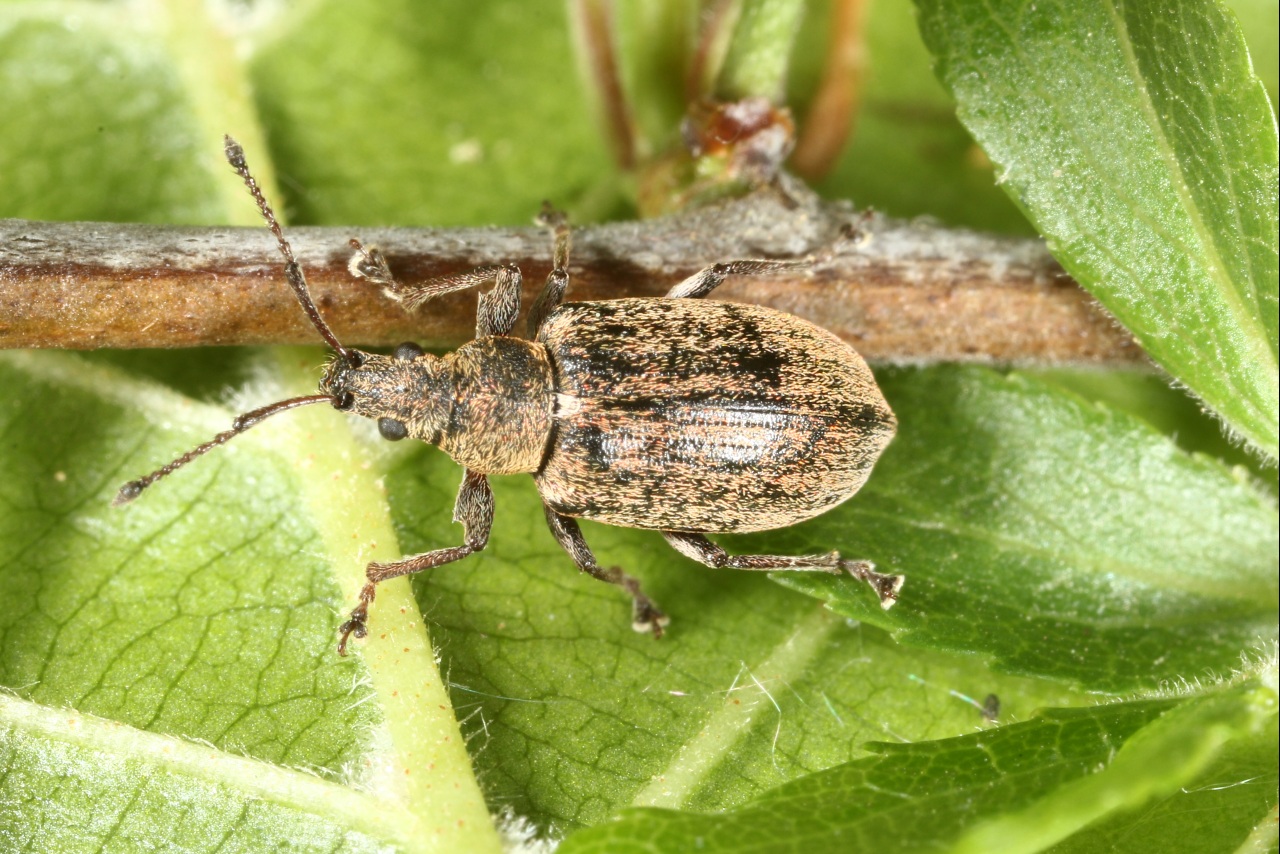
680, 415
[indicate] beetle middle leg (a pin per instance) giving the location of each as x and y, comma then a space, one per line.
474, 509
558, 279
708, 279
704, 551
645, 615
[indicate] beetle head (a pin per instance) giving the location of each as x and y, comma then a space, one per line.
406, 392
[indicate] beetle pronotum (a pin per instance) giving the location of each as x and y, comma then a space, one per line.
680, 415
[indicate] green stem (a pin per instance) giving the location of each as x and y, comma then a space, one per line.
219, 94
760, 50
422, 764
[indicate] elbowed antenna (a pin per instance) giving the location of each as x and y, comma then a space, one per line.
292, 271
133, 488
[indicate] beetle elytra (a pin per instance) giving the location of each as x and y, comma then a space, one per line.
680, 415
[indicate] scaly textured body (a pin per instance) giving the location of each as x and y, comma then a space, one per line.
734, 418
677, 414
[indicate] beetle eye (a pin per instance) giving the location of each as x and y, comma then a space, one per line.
345, 401
392, 430
355, 359
407, 352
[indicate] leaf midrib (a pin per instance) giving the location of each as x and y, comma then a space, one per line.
1246, 317
252, 778
726, 725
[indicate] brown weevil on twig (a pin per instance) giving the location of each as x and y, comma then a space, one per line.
679, 415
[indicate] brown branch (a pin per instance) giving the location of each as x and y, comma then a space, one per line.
593, 25
899, 292
830, 118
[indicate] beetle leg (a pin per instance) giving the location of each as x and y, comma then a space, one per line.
558, 278
708, 279
645, 615
474, 509
704, 551
369, 264
498, 308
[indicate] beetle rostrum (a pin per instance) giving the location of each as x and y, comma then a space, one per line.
680, 415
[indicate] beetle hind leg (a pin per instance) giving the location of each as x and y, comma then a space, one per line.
708, 279
474, 509
646, 617
704, 551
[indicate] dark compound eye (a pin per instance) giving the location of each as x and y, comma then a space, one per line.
345, 401
355, 358
407, 352
392, 430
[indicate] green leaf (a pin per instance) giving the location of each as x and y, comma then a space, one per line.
207, 615
909, 155
205, 611
1224, 808
454, 115
1139, 141
1264, 43
1156, 761
573, 715
1050, 777
114, 787
167, 617
81, 94
1151, 398
654, 42
760, 50
170, 666
1060, 538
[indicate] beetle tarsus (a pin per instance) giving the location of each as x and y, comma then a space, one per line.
358, 625
646, 617
549, 216
886, 586
369, 264
552, 293
354, 626
699, 548
708, 279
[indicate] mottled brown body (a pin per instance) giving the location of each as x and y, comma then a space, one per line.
676, 414
671, 415
690, 415
500, 420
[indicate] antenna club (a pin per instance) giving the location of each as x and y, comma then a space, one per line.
128, 492
293, 272
234, 153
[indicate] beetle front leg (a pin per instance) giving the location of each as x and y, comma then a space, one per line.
708, 279
474, 509
498, 308
704, 551
645, 615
